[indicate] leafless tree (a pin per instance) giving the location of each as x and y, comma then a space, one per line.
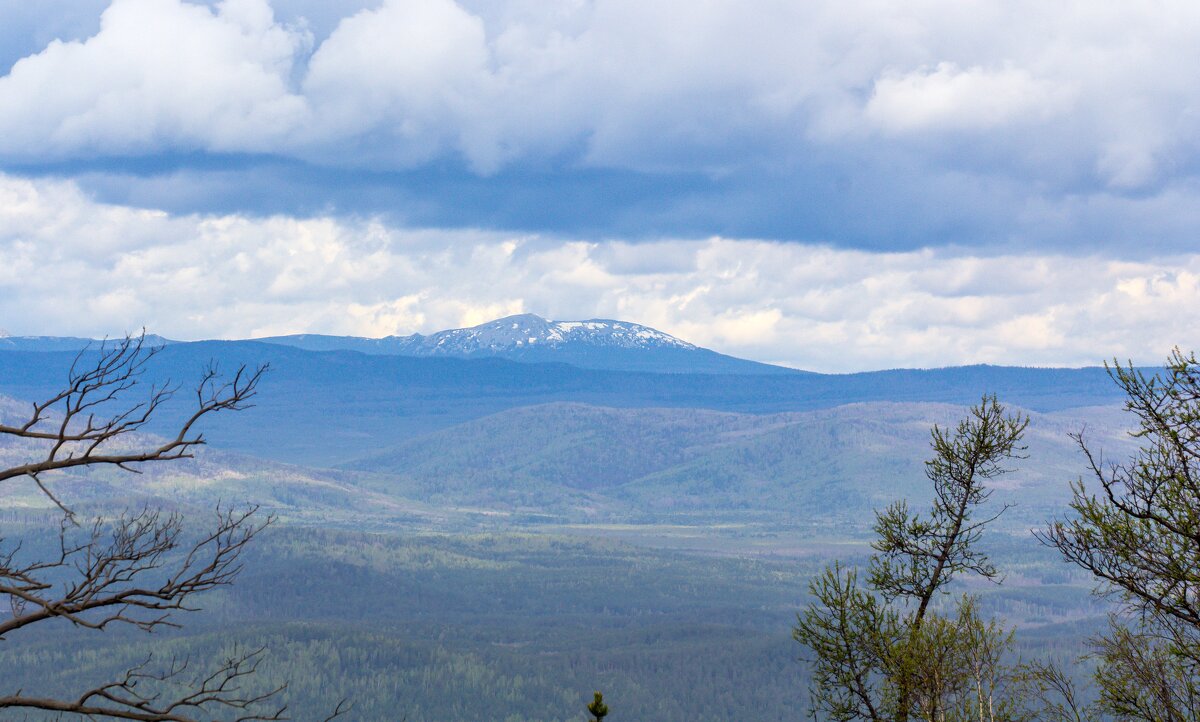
142, 568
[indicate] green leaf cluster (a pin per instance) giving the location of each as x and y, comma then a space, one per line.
882, 649
1136, 528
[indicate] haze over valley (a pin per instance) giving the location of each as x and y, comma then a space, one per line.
446, 487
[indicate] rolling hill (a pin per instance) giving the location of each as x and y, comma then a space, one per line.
327, 408
833, 463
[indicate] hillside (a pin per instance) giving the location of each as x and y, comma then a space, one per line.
63, 343
326, 408
653, 462
287, 491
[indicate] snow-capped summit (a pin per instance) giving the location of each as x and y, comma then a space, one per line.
596, 343
526, 330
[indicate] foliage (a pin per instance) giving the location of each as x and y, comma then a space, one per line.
1139, 536
596, 708
1143, 677
881, 651
451, 627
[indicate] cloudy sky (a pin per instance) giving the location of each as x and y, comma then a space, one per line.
830, 185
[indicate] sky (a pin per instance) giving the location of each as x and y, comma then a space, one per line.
827, 185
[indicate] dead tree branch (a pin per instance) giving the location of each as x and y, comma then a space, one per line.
142, 568
77, 426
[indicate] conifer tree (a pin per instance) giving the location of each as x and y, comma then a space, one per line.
597, 708
1136, 529
881, 650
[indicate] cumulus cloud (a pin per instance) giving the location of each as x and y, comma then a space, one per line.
70, 265
158, 74
400, 80
948, 97
1070, 95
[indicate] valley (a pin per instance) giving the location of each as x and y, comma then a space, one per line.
466, 538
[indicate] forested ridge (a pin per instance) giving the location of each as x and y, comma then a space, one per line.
509, 565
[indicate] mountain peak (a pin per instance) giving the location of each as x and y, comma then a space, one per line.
527, 330
519, 318
594, 343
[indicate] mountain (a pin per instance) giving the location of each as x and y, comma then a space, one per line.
833, 463
326, 408
64, 343
592, 344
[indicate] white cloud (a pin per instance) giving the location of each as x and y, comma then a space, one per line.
1069, 92
158, 74
69, 265
949, 97
402, 78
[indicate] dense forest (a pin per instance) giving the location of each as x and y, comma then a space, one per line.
455, 626
509, 566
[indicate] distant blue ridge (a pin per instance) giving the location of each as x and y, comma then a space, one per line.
592, 343
326, 407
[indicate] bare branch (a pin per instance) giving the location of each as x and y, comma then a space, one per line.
110, 570
168, 695
141, 568
74, 436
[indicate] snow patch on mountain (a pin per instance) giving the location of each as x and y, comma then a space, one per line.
530, 330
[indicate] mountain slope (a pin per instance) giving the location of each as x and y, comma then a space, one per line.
64, 343
828, 463
331, 407
212, 477
591, 344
